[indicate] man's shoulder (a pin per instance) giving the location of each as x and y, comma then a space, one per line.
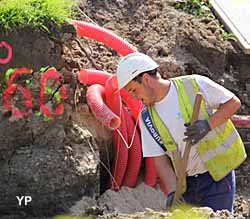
190, 77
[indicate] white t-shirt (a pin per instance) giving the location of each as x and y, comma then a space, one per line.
169, 111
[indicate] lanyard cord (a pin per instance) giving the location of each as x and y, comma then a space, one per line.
121, 135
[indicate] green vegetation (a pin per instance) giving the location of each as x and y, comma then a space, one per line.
73, 217
227, 36
8, 73
35, 13
198, 8
195, 7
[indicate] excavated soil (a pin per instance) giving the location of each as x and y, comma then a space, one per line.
182, 44
57, 162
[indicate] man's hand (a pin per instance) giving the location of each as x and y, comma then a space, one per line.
170, 200
196, 131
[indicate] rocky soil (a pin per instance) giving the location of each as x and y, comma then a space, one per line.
57, 162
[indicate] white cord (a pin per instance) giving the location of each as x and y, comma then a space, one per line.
103, 164
121, 135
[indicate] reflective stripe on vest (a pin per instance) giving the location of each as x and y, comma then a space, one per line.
221, 149
168, 142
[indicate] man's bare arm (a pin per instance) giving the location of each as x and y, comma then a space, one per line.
224, 112
165, 172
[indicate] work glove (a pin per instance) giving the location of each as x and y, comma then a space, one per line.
170, 201
196, 131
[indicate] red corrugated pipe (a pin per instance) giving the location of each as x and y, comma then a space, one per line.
134, 105
123, 48
150, 177
105, 36
95, 99
119, 165
90, 76
129, 130
134, 151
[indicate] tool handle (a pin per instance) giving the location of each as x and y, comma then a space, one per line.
184, 160
195, 117
197, 106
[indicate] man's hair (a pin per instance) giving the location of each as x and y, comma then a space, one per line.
152, 73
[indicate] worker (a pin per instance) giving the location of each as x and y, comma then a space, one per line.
217, 148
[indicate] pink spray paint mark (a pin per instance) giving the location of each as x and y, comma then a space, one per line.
4, 61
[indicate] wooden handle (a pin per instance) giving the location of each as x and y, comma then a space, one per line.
184, 161
197, 106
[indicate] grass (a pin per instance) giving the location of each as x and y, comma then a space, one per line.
195, 7
35, 13
227, 36
199, 8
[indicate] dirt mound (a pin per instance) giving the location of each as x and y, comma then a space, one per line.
48, 159
182, 44
27, 46
147, 202
126, 200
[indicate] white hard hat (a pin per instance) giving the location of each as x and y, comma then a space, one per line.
132, 65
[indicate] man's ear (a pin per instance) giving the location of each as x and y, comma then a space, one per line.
146, 79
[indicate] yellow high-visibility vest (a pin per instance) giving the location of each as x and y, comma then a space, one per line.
221, 150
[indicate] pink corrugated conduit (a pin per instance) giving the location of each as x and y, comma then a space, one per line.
90, 76
134, 105
119, 165
98, 77
105, 36
150, 177
95, 96
134, 152
127, 132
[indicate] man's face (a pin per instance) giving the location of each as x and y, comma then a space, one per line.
141, 91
